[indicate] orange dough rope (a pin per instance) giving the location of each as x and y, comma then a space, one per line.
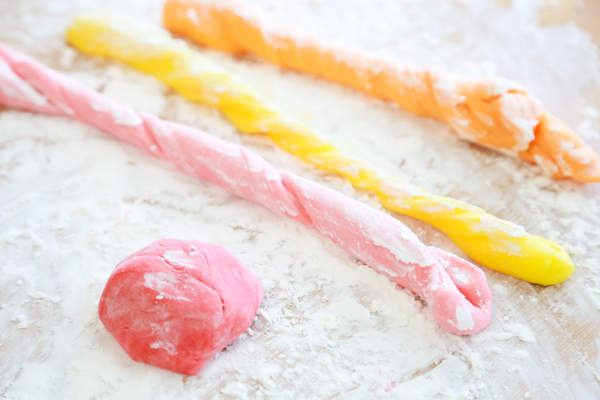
494, 113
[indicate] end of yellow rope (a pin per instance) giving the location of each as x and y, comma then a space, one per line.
560, 267
532, 258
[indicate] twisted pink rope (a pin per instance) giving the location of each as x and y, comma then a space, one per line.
456, 289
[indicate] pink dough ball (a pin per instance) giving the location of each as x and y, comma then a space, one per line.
176, 303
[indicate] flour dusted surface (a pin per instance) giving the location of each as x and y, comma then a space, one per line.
75, 202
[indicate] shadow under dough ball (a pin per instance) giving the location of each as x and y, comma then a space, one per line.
176, 303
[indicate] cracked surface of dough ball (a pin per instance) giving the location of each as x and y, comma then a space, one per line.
176, 303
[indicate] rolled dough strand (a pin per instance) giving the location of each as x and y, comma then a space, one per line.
375, 238
494, 113
493, 242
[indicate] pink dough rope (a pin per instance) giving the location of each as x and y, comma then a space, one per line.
456, 289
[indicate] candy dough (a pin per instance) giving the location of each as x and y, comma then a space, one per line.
456, 290
176, 303
493, 242
492, 112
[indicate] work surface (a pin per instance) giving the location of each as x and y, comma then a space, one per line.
74, 201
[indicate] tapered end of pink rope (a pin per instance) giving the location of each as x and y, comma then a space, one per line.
462, 302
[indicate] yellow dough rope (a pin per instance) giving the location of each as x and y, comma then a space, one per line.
495, 243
